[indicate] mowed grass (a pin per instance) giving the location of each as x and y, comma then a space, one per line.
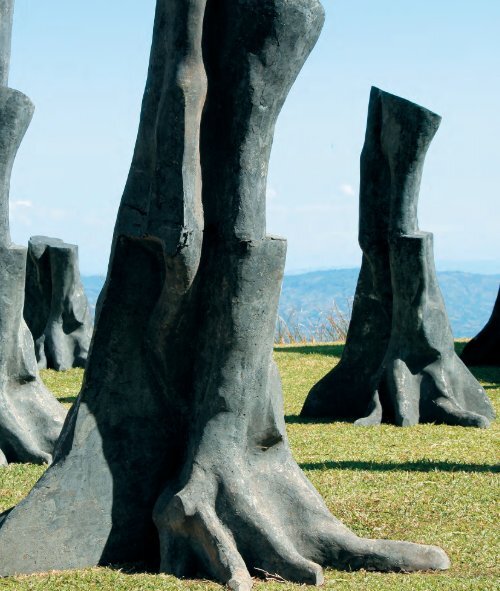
430, 484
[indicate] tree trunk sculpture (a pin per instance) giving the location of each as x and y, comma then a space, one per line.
399, 364
176, 450
484, 348
56, 309
30, 417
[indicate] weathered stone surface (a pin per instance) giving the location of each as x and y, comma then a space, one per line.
56, 309
176, 450
30, 417
6, 16
399, 363
484, 348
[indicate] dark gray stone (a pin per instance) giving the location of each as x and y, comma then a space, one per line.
176, 452
56, 309
399, 363
30, 417
484, 348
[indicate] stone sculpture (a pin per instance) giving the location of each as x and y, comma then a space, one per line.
399, 364
30, 417
484, 348
56, 309
176, 450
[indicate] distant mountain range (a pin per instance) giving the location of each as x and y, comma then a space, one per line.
305, 297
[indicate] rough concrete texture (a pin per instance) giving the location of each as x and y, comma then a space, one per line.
56, 309
176, 451
6, 16
399, 363
484, 348
30, 417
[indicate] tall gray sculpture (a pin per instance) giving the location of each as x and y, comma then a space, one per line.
484, 348
399, 363
30, 417
56, 308
176, 450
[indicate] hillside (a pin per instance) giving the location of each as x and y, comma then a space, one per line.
469, 297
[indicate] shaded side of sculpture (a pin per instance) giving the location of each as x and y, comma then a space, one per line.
179, 425
399, 363
484, 348
56, 308
30, 417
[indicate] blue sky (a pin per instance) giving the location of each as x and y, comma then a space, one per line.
84, 66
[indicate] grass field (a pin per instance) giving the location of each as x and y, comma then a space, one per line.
432, 484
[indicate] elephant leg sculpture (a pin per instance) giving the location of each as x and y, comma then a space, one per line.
176, 450
30, 417
399, 363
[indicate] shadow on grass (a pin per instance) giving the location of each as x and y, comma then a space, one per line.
487, 374
298, 420
328, 350
419, 466
67, 399
131, 568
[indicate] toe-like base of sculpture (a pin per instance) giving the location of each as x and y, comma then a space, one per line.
421, 379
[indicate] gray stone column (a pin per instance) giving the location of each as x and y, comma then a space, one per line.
399, 363
30, 417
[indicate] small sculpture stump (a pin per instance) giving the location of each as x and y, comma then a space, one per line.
56, 309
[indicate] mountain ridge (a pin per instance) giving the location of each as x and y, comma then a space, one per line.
469, 297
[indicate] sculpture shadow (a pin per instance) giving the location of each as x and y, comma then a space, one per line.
298, 420
418, 466
68, 399
328, 350
489, 374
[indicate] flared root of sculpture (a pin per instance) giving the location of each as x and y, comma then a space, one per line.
421, 378
262, 517
245, 508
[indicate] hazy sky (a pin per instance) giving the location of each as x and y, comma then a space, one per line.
84, 63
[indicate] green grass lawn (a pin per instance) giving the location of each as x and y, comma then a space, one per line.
431, 484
